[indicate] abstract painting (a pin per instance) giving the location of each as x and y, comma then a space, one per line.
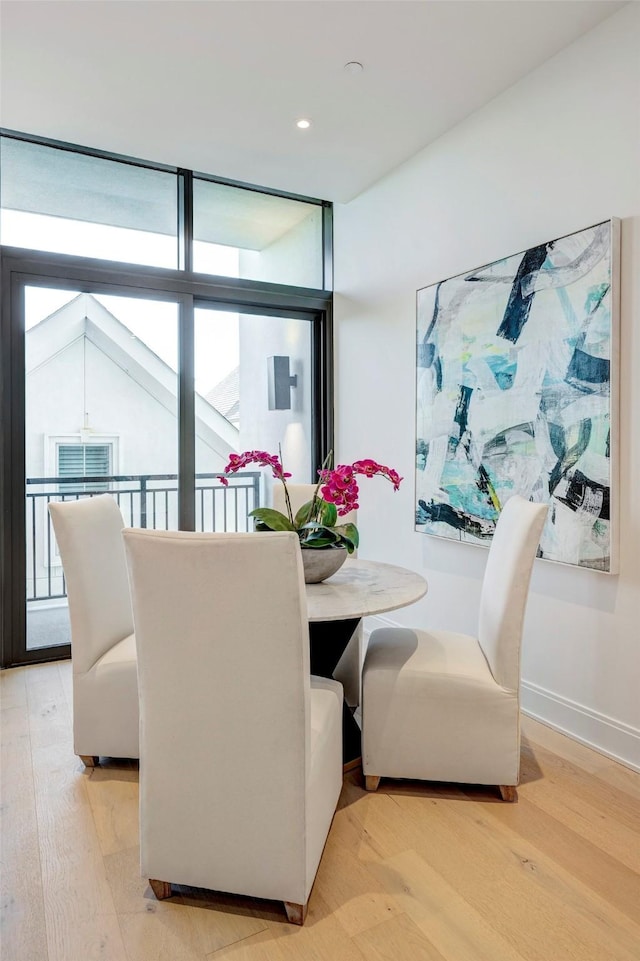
517, 394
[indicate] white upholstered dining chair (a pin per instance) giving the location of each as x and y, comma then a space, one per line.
349, 668
240, 748
442, 706
103, 645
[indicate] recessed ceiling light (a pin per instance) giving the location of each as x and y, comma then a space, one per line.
353, 67
303, 124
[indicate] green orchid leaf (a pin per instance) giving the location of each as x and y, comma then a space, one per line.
273, 520
328, 514
304, 514
350, 531
349, 536
315, 535
314, 526
319, 541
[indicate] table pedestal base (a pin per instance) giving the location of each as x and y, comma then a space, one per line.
328, 640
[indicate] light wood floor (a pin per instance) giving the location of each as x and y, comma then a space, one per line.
415, 872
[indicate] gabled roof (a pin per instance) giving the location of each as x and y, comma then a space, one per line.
225, 396
85, 316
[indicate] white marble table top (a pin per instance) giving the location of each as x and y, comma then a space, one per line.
361, 588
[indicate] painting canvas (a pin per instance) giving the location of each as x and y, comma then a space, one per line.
516, 394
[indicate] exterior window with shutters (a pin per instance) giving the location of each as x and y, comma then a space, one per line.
78, 461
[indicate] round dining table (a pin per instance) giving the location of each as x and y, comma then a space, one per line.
336, 606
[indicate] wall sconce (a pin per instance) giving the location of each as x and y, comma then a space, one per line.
280, 381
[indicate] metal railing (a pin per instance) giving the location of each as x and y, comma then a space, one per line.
145, 500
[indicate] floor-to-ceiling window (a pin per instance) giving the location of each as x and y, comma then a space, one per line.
148, 315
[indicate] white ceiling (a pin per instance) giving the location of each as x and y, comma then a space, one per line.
217, 86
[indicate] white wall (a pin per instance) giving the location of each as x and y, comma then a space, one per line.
557, 152
294, 258
264, 429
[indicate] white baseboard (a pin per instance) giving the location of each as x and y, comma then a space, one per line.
608, 736
604, 734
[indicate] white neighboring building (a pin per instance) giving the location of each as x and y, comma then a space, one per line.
225, 397
98, 399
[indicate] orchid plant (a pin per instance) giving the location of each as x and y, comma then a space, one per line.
335, 495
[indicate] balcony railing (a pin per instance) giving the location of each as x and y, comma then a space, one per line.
145, 500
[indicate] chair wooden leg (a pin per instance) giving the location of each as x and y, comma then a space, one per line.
161, 889
371, 782
90, 760
296, 913
508, 792
352, 765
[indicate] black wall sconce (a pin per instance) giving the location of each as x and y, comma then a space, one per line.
280, 381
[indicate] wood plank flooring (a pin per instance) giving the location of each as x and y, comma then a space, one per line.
415, 872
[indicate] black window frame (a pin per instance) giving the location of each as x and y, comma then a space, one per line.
21, 267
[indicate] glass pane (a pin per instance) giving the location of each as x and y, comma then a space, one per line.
91, 361
239, 358
70, 203
255, 236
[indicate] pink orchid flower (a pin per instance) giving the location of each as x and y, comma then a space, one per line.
337, 486
340, 485
259, 457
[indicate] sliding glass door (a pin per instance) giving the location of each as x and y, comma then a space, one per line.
142, 394
254, 391
101, 416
